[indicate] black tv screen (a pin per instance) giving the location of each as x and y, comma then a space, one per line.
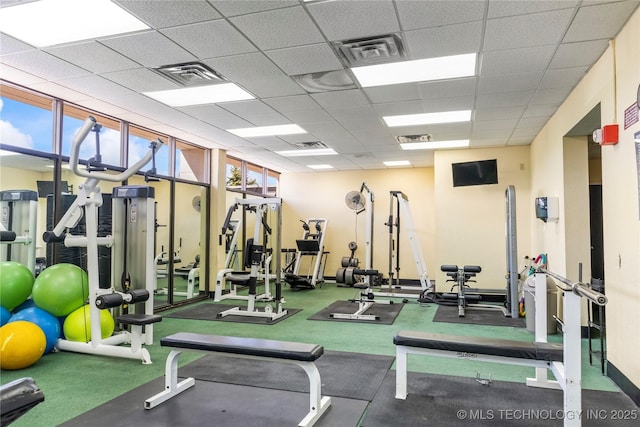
46, 187
481, 172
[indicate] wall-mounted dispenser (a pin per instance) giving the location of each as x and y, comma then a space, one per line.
547, 208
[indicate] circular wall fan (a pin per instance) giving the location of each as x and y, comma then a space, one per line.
355, 201
195, 202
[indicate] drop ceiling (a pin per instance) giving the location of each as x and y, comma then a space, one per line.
531, 54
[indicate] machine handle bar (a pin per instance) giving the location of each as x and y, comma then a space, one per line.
576, 287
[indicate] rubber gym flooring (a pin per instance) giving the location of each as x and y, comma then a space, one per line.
110, 391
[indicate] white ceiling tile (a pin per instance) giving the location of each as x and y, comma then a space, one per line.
448, 104
398, 108
601, 21
210, 39
562, 77
503, 8
267, 31
305, 59
16, 75
308, 116
487, 142
495, 124
243, 7
529, 132
62, 92
162, 14
536, 29
423, 14
150, 49
393, 93
278, 86
509, 82
542, 110
343, 20
578, 53
250, 108
341, 99
353, 113
9, 45
487, 113
550, 96
532, 122
504, 99
216, 116
286, 104
491, 133
521, 140
93, 56
525, 60
43, 65
447, 88
247, 67
141, 80
444, 41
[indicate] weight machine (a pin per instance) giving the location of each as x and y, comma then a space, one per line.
258, 258
132, 241
18, 219
311, 245
402, 209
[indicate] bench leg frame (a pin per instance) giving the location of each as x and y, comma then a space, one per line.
317, 403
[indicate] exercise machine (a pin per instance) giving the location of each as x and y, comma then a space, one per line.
401, 209
18, 219
461, 276
513, 275
131, 243
311, 245
259, 257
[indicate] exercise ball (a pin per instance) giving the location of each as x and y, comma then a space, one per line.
5, 315
61, 289
21, 344
46, 321
77, 325
16, 282
28, 303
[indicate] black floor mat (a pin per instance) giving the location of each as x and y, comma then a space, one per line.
446, 401
216, 404
350, 375
386, 312
209, 311
449, 314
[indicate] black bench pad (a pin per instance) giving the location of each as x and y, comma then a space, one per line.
487, 346
138, 319
245, 346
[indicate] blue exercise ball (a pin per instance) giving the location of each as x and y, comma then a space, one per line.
4, 316
46, 321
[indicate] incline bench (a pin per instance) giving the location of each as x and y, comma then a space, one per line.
301, 354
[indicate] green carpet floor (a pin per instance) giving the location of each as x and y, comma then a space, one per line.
74, 383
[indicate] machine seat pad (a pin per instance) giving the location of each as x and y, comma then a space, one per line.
138, 319
246, 346
486, 346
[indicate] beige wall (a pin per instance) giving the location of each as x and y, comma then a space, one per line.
471, 221
612, 82
322, 195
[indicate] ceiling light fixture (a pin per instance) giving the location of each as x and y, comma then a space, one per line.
320, 167
420, 70
302, 153
437, 145
267, 131
397, 163
428, 118
225, 92
50, 22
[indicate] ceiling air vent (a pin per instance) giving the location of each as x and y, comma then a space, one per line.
325, 82
403, 139
361, 156
191, 74
371, 50
311, 144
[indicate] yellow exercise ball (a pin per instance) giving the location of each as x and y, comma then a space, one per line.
22, 344
77, 325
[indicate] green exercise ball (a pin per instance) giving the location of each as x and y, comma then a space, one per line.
16, 282
77, 325
61, 289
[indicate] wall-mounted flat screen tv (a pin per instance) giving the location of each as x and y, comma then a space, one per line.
480, 172
46, 187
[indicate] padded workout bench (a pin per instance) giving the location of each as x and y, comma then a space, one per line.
301, 354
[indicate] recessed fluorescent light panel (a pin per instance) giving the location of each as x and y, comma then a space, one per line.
303, 153
267, 131
50, 22
225, 92
320, 167
436, 145
397, 163
420, 70
428, 118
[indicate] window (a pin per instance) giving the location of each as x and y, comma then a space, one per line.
139, 141
109, 136
26, 119
273, 183
234, 174
191, 162
255, 179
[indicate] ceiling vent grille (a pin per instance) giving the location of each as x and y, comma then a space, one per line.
371, 50
311, 144
325, 82
191, 74
403, 139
